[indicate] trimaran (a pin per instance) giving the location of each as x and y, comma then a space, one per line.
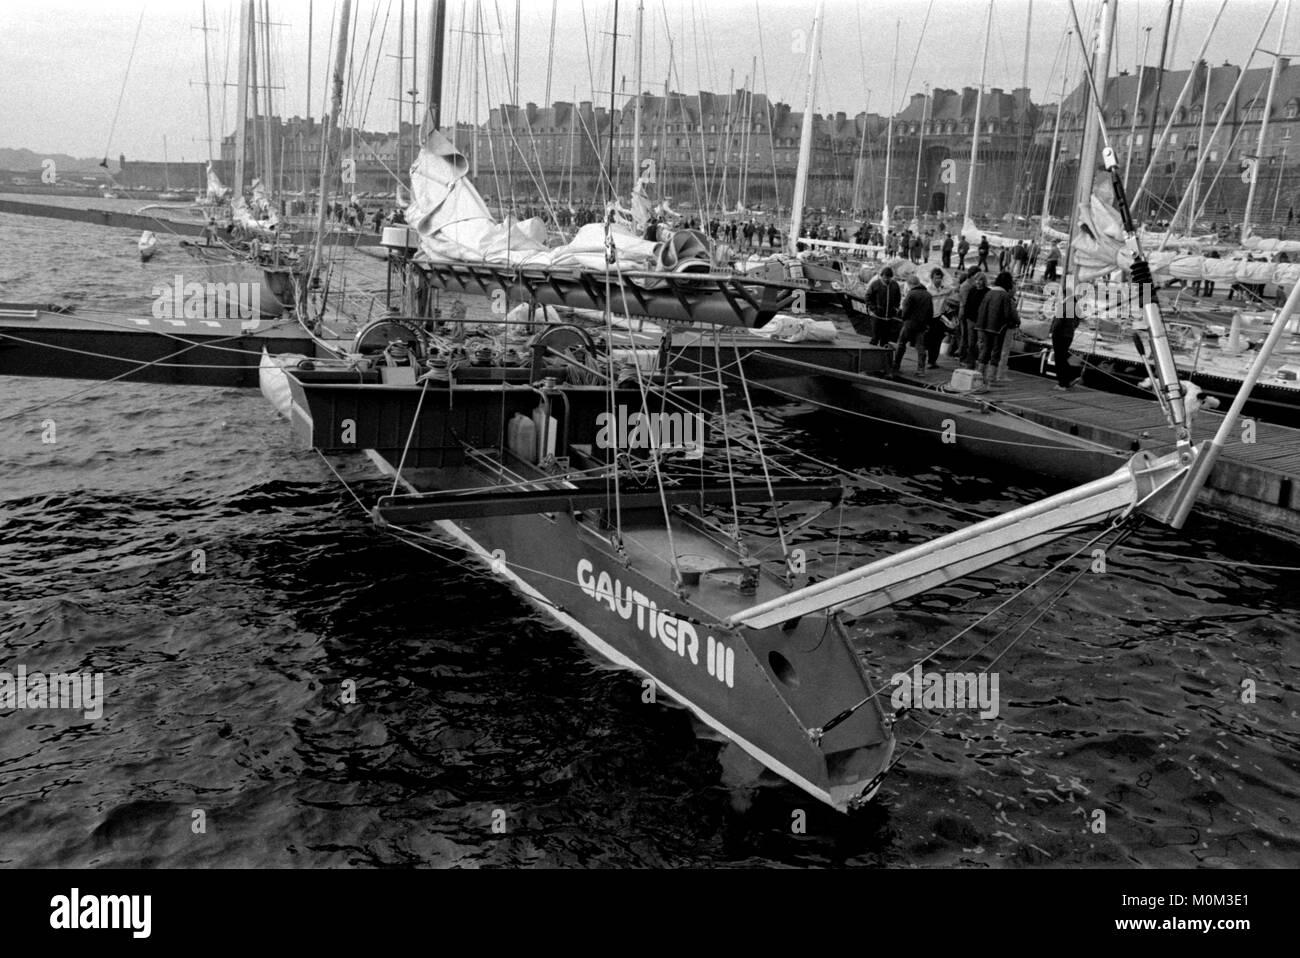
513, 459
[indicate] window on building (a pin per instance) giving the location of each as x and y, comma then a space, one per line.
1214, 156
1173, 138
1286, 133
1293, 110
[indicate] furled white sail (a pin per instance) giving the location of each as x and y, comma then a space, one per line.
454, 223
216, 191
1099, 250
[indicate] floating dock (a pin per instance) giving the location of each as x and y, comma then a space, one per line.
1075, 435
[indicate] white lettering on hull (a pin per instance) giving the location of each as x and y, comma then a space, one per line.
677, 635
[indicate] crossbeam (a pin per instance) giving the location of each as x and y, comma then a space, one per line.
435, 506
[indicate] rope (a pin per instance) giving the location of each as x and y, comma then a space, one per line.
767, 476
848, 713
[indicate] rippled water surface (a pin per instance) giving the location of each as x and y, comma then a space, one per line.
223, 687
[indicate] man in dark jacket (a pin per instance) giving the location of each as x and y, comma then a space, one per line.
983, 261
969, 296
1065, 320
997, 317
963, 248
882, 302
945, 251
918, 313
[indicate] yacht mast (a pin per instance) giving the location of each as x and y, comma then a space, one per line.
889, 135
241, 124
636, 124
1263, 123
1137, 105
979, 102
207, 82
805, 134
1051, 160
434, 67
1091, 128
327, 128
920, 144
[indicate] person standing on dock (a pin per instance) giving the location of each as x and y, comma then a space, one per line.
1207, 287
1065, 320
1053, 260
945, 316
882, 304
963, 248
945, 251
969, 296
983, 261
997, 317
1020, 255
918, 314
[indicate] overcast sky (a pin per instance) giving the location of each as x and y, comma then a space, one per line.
65, 63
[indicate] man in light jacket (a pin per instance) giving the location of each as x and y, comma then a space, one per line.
997, 317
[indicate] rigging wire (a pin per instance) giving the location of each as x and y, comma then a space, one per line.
122, 93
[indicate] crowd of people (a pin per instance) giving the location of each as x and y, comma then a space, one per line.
974, 316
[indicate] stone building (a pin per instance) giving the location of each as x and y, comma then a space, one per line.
1130, 115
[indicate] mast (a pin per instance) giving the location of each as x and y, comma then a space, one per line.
167, 173
241, 126
207, 83
1173, 112
1137, 102
401, 57
805, 134
889, 134
308, 113
1263, 123
613, 82
636, 123
1200, 146
1223, 116
979, 102
550, 61
473, 158
415, 80
434, 68
268, 154
920, 143
1160, 79
327, 139
1091, 130
1051, 160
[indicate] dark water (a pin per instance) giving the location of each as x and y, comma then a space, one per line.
223, 688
